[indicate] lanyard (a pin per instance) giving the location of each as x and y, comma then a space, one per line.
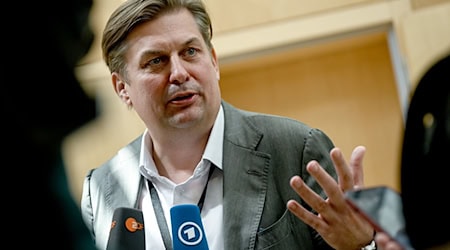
161, 219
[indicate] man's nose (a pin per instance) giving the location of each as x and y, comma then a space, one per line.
178, 72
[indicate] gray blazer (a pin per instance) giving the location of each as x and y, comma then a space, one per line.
261, 153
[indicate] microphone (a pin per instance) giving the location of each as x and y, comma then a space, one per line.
127, 230
187, 228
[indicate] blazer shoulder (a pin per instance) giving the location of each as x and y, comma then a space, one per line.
264, 122
129, 152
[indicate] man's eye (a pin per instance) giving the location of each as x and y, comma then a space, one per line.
155, 61
191, 52
155, 64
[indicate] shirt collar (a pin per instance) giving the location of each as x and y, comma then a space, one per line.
212, 153
214, 147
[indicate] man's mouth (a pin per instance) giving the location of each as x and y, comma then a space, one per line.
182, 97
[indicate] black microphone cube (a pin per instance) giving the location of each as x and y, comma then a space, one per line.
127, 230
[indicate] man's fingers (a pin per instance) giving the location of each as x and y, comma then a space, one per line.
345, 175
350, 175
356, 163
306, 216
312, 199
328, 184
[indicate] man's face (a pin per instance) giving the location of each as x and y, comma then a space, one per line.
172, 77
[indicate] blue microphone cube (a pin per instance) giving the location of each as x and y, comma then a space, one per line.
187, 228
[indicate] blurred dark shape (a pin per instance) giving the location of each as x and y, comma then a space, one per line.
43, 41
425, 159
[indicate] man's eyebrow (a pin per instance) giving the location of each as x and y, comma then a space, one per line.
156, 52
192, 40
150, 53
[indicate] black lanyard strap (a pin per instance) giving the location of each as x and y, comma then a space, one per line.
162, 224
202, 198
159, 213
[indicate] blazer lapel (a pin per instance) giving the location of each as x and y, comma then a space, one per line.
245, 181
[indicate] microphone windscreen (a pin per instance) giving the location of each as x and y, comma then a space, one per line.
127, 230
187, 228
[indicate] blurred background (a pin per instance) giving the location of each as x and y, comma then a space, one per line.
347, 67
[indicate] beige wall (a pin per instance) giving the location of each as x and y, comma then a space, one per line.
345, 87
259, 27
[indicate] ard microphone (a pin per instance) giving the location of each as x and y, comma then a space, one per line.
187, 228
127, 230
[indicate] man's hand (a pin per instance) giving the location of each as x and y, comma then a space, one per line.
338, 224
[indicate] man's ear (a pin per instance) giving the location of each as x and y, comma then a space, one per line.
215, 62
120, 87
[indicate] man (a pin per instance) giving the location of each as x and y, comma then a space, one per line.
253, 167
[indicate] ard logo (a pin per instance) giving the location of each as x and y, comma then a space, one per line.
189, 233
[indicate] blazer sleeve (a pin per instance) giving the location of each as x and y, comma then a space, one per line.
86, 203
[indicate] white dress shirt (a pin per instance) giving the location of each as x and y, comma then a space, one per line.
187, 192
